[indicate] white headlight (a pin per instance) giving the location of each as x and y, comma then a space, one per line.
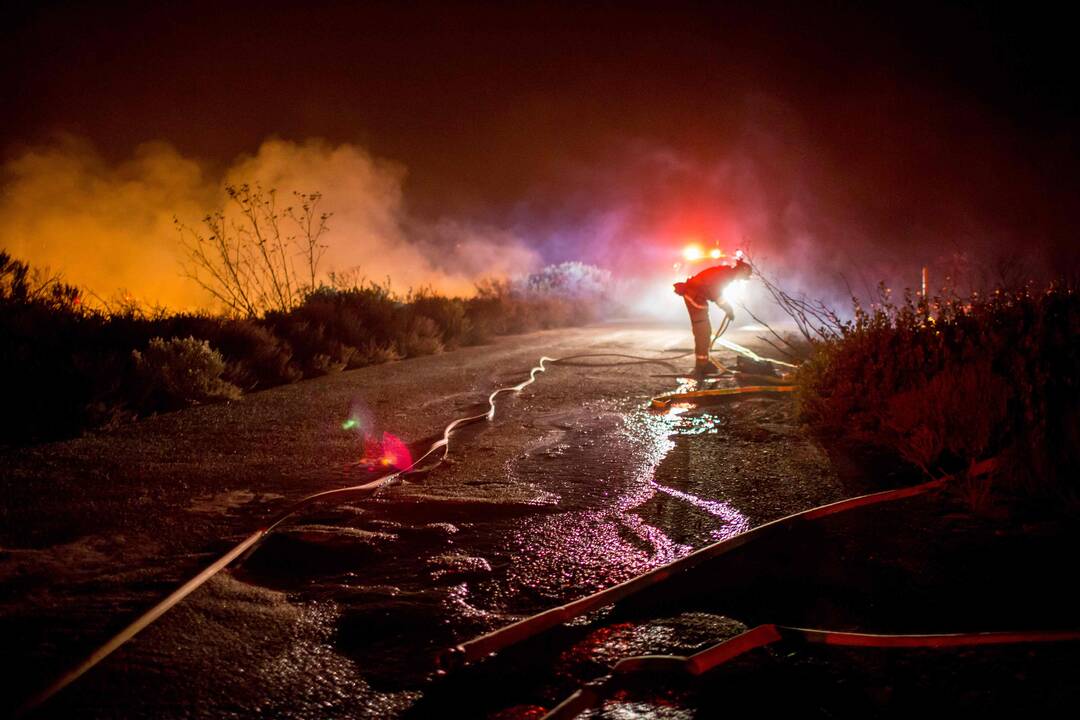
735, 291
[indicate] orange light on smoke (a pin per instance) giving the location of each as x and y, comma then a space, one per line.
716, 253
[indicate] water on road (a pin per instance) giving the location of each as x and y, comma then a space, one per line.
577, 484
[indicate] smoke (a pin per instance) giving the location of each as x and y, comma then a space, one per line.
106, 227
826, 217
824, 214
109, 226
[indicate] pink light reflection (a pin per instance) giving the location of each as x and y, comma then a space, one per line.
395, 453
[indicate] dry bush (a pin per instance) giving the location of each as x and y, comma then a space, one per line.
557, 296
179, 372
79, 367
421, 337
947, 381
373, 353
956, 413
313, 343
447, 313
255, 357
358, 314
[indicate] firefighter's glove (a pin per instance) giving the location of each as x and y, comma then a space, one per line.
728, 310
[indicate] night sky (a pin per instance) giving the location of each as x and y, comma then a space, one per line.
825, 133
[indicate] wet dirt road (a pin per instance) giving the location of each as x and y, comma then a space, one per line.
575, 485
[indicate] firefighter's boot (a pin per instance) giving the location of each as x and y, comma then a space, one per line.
703, 366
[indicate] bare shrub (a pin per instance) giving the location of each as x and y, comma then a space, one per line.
421, 337
261, 257
948, 381
448, 314
181, 371
374, 354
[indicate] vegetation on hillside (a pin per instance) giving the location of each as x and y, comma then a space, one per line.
71, 366
948, 381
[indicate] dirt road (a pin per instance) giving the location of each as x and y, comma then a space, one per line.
573, 486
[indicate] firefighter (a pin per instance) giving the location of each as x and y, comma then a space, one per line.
697, 291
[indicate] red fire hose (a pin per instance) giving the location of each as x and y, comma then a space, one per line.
496, 640
594, 694
249, 543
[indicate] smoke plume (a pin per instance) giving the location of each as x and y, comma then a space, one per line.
109, 227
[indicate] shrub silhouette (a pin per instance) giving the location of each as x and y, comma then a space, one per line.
179, 372
80, 367
947, 381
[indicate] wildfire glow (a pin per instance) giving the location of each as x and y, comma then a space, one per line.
108, 226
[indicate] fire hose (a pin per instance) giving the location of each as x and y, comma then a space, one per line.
245, 547
485, 645
593, 694
662, 401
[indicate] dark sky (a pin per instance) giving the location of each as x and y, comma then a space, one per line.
920, 126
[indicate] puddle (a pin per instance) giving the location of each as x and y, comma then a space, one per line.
416, 569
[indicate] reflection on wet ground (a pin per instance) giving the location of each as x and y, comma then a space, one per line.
409, 576
572, 487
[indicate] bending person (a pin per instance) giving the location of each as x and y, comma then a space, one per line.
697, 291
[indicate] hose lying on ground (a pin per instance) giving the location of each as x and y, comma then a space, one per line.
735, 347
481, 647
592, 695
249, 543
662, 401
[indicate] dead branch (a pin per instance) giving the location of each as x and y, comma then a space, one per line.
247, 261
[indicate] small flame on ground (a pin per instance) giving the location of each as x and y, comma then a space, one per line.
395, 453
389, 452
